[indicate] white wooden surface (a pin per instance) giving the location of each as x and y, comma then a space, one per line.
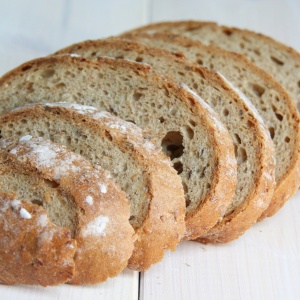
265, 262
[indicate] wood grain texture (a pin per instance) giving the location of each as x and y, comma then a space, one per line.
262, 264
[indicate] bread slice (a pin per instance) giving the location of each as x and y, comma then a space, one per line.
281, 61
25, 256
253, 146
189, 131
272, 101
75, 195
155, 192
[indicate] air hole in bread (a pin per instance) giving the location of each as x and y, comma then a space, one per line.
108, 135
225, 112
188, 132
187, 202
277, 61
257, 52
257, 89
137, 96
48, 73
139, 59
172, 144
41, 133
119, 57
299, 83
192, 122
131, 121
181, 73
202, 174
242, 45
60, 85
287, 139
195, 86
241, 155
37, 202
237, 138
200, 62
208, 185
52, 183
161, 119
279, 116
178, 167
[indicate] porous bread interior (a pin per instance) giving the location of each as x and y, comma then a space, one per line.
277, 117
60, 206
232, 114
132, 97
99, 149
272, 59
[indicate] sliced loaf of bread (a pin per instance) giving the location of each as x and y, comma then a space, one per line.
254, 148
140, 168
188, 130
271, 100
76, 196
33, 250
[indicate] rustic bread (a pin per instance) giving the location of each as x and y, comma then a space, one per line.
75, 195
26, 256
281, 61
253, 146
188, 130
267, 95
141, 169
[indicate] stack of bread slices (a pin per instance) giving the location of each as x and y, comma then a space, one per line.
112, 151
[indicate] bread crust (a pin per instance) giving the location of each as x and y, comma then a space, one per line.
224, 171
100, 226
26, 258
164, 225
287, 184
